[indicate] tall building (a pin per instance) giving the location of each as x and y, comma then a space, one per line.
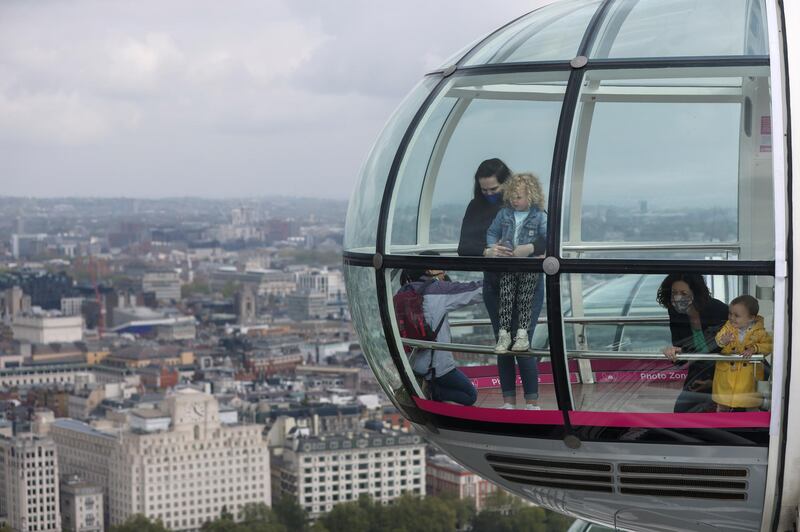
246, 308
321, 471
29, 495
81, 505
166, 285
181, 462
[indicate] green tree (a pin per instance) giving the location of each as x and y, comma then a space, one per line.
290, 514
410, 513
140, 523
348, 517
258, 517
464, 509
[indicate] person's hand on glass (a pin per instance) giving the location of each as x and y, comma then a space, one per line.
498, 250
672, 353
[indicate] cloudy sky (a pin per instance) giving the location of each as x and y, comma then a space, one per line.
213, 99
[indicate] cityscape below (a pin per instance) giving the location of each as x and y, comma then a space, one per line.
190, 364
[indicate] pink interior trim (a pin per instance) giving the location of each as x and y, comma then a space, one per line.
713, 420
727, 420
495, 415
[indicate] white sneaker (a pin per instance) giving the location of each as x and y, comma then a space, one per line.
533, 407
521, 341
507, 406
503, 341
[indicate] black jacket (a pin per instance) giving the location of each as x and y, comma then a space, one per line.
477, 219
712, 317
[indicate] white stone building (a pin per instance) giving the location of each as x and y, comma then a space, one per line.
179, 463
43, 329
323, 471
29, 483
81, 505
322, 281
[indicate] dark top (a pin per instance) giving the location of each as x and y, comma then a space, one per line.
477, 219
712, 317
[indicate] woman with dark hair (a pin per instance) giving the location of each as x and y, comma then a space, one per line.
482, 209
694, 320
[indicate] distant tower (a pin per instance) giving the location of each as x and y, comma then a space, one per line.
246, 305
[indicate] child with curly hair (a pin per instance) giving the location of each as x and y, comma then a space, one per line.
521, 227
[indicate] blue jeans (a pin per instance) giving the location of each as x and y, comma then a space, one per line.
528, 366
454, 386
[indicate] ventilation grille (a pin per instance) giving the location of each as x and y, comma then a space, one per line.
684, 481
585, 476
718, 483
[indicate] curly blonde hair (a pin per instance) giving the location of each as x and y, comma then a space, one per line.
530, 183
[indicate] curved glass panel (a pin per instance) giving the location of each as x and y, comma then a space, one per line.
618, 332
674, 28
362, 294
658, 28
468, 336
361, 225
667, 166
551, 33
513, 117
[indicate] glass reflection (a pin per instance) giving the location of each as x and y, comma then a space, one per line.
640, 341
659, 28
475, 119
361, 225
690, 156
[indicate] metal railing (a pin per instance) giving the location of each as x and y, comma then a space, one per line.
593, 320
576, 354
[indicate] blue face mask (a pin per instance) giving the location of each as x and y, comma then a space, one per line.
492, 198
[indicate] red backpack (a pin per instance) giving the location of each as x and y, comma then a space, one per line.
410, 317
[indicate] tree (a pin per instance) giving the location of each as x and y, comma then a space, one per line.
140, 523
258, 517
348, 517
290, 514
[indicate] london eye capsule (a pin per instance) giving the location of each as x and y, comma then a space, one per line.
569, 261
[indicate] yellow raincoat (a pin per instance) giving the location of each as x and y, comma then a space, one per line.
735, 382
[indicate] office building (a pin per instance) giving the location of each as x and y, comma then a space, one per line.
322, 471
81, 505
181, 462
166, 285
447, 477
29, 495
48, 329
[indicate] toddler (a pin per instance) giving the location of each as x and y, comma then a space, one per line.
734, 386
520, 226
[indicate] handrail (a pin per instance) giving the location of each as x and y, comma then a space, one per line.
622, 320
623, 355
647, 246
405, 249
